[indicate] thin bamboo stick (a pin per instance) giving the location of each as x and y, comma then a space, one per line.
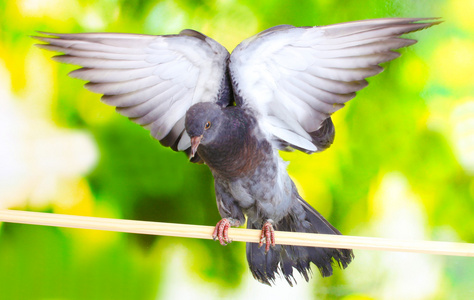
237, 234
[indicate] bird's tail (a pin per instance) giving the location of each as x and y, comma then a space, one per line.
282, 259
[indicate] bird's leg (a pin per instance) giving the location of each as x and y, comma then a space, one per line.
221, 232
267, 235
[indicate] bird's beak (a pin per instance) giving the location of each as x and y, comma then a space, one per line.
195, 141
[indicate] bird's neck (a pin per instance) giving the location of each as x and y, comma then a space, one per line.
237, 152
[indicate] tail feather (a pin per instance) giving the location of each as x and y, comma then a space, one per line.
283, 259
263, 265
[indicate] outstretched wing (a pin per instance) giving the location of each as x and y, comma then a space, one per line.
153, 80
294, 78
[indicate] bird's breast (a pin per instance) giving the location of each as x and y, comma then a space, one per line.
238, 158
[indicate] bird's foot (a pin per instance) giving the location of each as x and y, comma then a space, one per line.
267, 235
221, 232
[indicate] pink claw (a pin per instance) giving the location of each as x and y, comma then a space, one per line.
221, 232
267, 236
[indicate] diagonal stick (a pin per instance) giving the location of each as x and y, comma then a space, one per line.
237, 234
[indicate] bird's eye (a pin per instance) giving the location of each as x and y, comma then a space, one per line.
207, 125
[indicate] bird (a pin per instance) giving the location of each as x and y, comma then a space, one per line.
236, 111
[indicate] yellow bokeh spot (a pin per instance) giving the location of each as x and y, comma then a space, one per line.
462, 12
75, 198
92, 110
462, 133
309, 173
48, 8
415, 73
40, 90
453, 63
238, 20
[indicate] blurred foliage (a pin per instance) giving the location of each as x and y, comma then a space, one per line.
405, 123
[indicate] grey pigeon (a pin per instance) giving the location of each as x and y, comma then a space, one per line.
234, 113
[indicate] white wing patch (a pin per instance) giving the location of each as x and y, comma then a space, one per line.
153, 80
295, 78
290, 78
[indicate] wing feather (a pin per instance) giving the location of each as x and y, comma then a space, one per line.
294, 78
111, 75
153, 80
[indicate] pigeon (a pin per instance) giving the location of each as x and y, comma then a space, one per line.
235, 112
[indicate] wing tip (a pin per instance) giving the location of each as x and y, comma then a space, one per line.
78, 73
62, 58
193, 33
420, 23
40, 33
41, 46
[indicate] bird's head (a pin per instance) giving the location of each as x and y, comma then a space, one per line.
202, 123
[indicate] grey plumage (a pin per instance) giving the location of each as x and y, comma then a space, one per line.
251, 179
285, 82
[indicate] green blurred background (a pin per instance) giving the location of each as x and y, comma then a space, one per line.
402, 165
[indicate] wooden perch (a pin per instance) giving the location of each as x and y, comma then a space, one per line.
237, 234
